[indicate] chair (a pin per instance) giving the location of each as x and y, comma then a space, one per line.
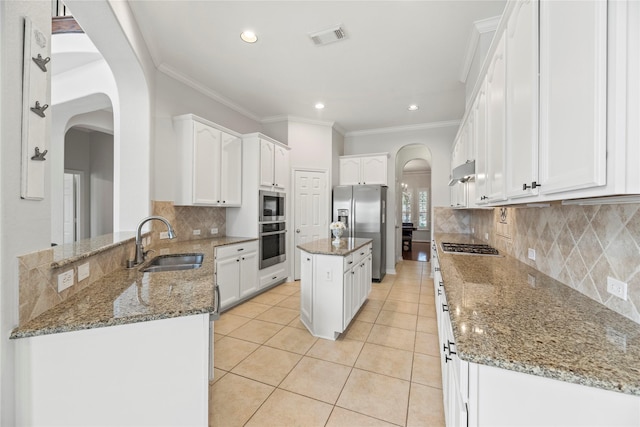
407, 234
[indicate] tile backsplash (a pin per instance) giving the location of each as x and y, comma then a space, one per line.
579, 246
186, 219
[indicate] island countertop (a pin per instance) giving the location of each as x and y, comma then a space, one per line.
508, 315
327, 247
130, 296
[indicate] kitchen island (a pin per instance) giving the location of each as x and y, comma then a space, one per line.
132, 348
335, 281
520, 348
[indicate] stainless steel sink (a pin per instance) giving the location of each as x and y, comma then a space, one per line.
174, 262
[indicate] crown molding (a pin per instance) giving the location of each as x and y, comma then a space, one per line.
288, 118
174, 74
395, 129
479, 27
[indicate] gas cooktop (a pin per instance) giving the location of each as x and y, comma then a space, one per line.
469, 248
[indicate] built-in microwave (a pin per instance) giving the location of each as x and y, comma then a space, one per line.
272, 206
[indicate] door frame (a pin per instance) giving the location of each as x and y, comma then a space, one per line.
292, 200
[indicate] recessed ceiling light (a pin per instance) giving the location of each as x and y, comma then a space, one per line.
319, 106
413, 107
249, 36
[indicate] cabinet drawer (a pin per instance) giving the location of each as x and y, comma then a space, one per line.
236, 249
273, 276
348, 262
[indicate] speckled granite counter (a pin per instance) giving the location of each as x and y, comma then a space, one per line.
509, 315
326, 246
130, 296
64, 255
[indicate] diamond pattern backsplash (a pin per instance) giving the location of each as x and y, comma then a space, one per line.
186, 219
579, 246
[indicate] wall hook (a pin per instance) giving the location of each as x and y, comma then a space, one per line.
39, 156
42, 62
38, 109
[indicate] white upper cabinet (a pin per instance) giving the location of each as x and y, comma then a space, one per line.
573, 95
274, 165
361, 170
522, 100
496, 112
210, 163
479, 111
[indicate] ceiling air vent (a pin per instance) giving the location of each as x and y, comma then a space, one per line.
329, 35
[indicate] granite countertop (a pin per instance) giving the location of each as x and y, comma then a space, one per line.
327, 247
131, 296
509, 315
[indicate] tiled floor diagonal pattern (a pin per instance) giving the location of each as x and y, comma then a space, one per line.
383, 371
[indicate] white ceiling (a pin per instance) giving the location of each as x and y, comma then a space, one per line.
396, 53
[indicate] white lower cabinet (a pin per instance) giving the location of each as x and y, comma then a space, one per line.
332, 290
236, 272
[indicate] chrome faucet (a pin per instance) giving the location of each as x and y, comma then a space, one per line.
140, 253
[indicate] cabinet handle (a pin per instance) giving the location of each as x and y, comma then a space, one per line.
441, 284
274, 277
238, 260
447, 358
437, 268
243, 258
449, 348
439, 291
217, 201
533, 186
484, 198
241, 249
308, 259
350, 262
445, 307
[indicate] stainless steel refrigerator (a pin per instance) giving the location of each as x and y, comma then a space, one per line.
363, 209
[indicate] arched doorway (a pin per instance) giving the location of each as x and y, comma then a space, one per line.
413, 202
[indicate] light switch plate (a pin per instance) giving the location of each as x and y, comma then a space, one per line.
65, 280
196, 232
214, 231
617, 288
83, 271
532, 254
164, 234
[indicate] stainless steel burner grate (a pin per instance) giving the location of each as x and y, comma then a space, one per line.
469, 248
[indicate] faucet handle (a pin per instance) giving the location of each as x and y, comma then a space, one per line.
144, 253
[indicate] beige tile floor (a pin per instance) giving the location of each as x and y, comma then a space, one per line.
384, 370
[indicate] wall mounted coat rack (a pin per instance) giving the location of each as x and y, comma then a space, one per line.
34, 121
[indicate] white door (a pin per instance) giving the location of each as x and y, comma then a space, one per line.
230, 170
311, 210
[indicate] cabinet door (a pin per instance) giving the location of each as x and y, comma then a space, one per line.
306, 288
522, 99
228, 279
573, 83
281, 168
356, 288
350, 171
374, 170
230, 170
206, 154
248, 274
347, 294
480, 120
496, 124
266, 163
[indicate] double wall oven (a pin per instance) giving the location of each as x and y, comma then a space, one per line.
272, 228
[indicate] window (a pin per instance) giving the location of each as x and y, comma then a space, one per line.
423, 208
406, 206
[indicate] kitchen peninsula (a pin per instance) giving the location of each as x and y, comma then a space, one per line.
335, 281
134, 347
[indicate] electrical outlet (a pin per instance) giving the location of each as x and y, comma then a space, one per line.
532, 254
617, 288
164, 234
328, 275
83, 271
473, 230
65, 280
486, 236
196, 232
214, 231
